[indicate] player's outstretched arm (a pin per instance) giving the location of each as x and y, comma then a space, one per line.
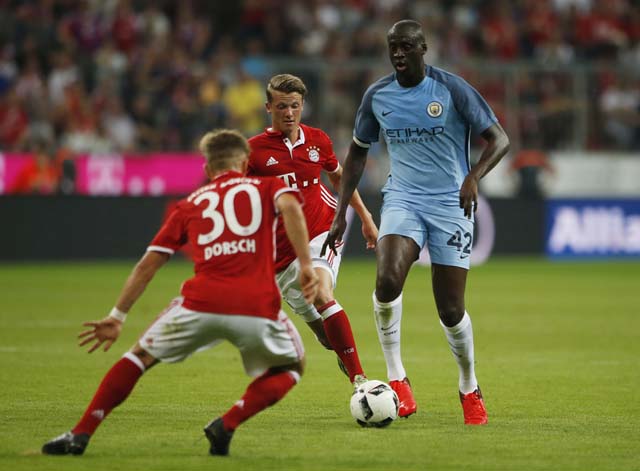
106, 331
369, 228
296, 228
352, 172
497, 147
142, 274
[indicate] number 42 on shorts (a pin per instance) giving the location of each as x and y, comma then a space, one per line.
462, 243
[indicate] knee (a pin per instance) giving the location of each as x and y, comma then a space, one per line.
388, 287
145, 357
300, 366
296, 370
325, 295
451, 313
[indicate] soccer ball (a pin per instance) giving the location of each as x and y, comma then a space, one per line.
374, 404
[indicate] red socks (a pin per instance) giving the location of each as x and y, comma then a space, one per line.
114, 388
120, 380
338, 330
263, 392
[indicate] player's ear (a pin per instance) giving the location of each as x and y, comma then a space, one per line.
207, 170
267, 106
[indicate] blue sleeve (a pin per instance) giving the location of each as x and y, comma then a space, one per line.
470, 104
367, 128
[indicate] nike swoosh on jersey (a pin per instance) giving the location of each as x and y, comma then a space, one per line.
385, 113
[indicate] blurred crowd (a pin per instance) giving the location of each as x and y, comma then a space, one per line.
111, 76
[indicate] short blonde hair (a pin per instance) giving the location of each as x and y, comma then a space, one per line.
285, 83
224, 148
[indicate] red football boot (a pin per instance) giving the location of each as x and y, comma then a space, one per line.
473, 408
408, 404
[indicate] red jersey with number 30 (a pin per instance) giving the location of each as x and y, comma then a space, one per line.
299, 165
230, 224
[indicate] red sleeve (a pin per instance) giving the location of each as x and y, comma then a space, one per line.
331, 163
173, 233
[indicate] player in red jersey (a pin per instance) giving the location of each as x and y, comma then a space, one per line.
298, 154
233, 295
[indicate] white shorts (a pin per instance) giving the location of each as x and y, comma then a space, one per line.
263, 343
288, 278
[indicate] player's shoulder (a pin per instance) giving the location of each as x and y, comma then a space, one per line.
379, 84
191, 199
258, 138
313, 134
446, 78
224, 183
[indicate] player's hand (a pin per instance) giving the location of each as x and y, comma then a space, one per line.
309, 283
338, 226
370, 233
105, 331
469, 195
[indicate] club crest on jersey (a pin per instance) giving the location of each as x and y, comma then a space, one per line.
434, 109
314, 155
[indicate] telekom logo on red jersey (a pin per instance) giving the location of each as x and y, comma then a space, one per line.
291, 181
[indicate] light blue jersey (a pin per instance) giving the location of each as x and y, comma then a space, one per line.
427, 129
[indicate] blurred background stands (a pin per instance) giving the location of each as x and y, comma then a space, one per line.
114, 76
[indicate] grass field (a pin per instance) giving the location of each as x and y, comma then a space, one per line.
557, 350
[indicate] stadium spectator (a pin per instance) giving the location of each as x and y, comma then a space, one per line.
63, 73
557, 110
154, 24
600, 32
8, 69
118, 125
14, 120
429, 198
531, 163
184, 114
540, 24
244, 102
298, 154
554, 50
111, 65
192, 32
499, 31
41, 174
148, 133
29, 84
124, 27
620, 105
230, 258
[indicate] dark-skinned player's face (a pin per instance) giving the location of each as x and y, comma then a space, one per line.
406, 53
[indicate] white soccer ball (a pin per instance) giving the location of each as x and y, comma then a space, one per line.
374, 404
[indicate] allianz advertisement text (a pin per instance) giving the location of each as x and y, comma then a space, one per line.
593, 228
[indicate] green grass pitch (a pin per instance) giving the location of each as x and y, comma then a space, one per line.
557, 352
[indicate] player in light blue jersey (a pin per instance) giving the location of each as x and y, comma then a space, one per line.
426, 117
